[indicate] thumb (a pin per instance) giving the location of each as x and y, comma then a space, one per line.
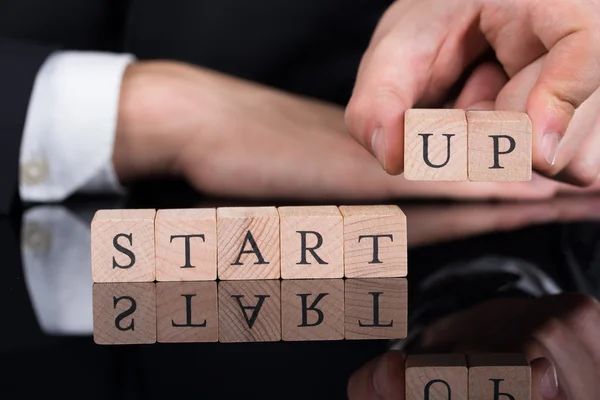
380, 379
544, 381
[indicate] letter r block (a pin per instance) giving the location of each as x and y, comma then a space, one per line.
499, 146
312, 242
186, 244
122, 244
435, 145
499, 376
374, 241
248, 243
437, 377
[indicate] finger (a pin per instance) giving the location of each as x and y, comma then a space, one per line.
382, 378
418, 59
544, 381
484, 85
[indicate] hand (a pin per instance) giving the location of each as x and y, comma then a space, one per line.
229, 137
558, 334
421, 47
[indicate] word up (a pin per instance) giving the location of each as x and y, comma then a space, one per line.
242, 243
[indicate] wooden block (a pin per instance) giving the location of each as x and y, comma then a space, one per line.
493, 374
124, 313
187, 312
437, 377
249, 311
186, 244
376, 308
374, 241
312, 242
123, 245
312, 309
499, 146
435, 145
248, 243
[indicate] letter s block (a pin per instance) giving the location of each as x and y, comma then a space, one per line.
499, 377
435, 145
437, 377
123, 245
499, 146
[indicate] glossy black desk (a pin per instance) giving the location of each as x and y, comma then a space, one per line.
461, 256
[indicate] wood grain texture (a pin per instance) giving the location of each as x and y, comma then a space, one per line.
124, 313
484, 166
435, 145
187, 312
505, 373
133, 230
172, 262
314, 226
360, 258
300, 300
249, 311
376, 308
437, 377
237, 227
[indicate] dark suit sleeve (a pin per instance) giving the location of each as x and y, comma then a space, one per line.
19, 64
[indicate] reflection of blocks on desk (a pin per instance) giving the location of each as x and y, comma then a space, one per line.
248, 243
123, 245
435, 143
437, 377
374, 241
312, 309
187, 312
124, 313
376, 308
186, 244
312, 242
249, 311
499, 373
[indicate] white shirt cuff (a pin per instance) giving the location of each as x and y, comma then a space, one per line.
71, 123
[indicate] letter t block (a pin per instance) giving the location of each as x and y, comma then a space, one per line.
435, 145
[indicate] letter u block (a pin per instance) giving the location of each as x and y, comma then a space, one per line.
499, 146
437, 377
499, 376
435, 145
123, 245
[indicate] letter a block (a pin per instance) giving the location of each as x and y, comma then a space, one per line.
374, 241
248, 243
249, 311
123, 245
187, 312
435, 145
124, 313
312, 309
186, 245
499, 376
312, 242
499, 146
437, 377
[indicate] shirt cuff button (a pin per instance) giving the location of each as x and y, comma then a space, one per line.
34, 172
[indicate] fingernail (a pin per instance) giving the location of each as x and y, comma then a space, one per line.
378, 145
380, 377
549, 384
550, 146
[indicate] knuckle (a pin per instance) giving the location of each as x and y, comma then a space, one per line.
552, 330
583, 308
582, 174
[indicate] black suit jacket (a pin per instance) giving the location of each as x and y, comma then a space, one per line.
310, 47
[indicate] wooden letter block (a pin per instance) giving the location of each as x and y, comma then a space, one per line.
494, 376
374, 241
123, 246
437, 377
186, 244
124, 313
312, 309
187, 312
435, 145
499, 146
248, 243
312, 242
376, 308
249, 311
